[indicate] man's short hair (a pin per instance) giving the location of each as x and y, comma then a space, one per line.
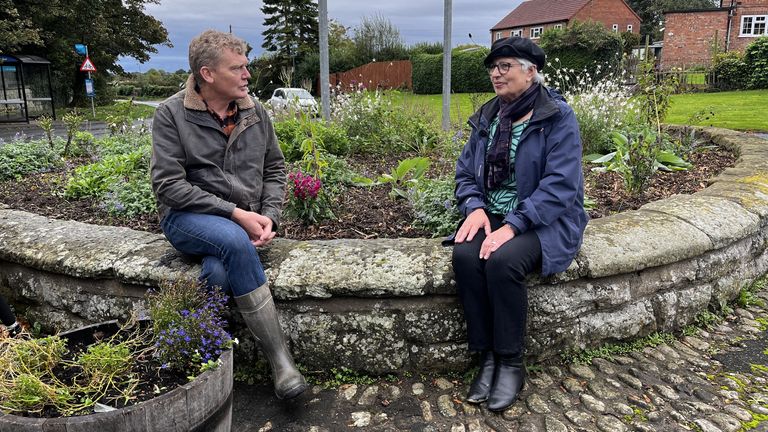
205, 50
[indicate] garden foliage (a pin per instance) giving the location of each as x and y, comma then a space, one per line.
734, 70
19, 158
188, 325
601, 102
756, 58
41, 375
584, 46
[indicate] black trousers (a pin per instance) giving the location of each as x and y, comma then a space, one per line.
493, 291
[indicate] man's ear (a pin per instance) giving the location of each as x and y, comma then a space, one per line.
207, 74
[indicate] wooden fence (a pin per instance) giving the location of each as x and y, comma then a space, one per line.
376, 75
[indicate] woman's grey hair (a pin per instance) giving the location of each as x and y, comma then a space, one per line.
206, 48
527, 65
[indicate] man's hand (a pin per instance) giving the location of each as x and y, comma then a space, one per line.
495, 240
476, 221
258, 227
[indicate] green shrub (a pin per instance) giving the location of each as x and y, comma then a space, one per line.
20, 158
375, 125
131, 196
427, 73
756, 57
468, 74
434, 206
600, 105
292, 132
729, 71
96, 179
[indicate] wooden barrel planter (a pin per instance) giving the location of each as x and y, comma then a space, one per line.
203, 404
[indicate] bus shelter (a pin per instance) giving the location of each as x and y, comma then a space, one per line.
25, 88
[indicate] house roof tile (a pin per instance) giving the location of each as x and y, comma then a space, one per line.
540, 11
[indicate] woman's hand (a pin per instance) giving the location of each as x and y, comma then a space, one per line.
476, 221
494, 241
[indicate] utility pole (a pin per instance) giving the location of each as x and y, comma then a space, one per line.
322, 7
447, 21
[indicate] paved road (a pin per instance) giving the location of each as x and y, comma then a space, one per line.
31, 131
700, 383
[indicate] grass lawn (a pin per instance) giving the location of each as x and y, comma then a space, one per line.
739, 110
137, 112
461, 103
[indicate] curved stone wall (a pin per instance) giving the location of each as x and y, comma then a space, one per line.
388, 305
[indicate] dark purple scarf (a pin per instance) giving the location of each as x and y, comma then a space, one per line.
497, 157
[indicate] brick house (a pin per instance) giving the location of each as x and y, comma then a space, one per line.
532, 17
690, 35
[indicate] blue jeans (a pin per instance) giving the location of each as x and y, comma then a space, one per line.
229, 258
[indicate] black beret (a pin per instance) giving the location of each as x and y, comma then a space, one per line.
519, 47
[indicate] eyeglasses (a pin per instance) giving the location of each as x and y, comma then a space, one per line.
503, 67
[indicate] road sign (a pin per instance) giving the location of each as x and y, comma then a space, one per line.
89, 88
81, 49
87, 66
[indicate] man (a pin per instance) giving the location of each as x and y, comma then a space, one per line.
219, 178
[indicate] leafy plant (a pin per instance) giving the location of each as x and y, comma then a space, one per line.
654, 93
131, 196
434, 206
19, 158
638, 155
96, 179
121, 118
72, 121
404, 176
46, 124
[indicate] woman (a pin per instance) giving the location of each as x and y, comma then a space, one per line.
520, 187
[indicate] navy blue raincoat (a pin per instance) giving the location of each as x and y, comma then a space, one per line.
550, 183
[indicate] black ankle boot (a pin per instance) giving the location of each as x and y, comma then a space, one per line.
507, 382
481, 385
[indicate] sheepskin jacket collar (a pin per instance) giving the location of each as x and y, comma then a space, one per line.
193, 100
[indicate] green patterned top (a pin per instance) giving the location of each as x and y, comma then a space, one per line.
503, 199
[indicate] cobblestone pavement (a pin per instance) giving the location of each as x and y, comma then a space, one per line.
714, 381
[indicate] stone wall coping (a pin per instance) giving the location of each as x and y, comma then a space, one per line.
733, 207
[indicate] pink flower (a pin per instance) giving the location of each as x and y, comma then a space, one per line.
304, 185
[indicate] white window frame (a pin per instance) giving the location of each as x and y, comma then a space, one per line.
753, 20
517, 32
615, 28
536, 32
629, 28
557, 26
498, 35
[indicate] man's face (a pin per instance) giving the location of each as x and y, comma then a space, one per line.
229, 78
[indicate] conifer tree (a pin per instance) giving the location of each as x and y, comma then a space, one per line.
291, 29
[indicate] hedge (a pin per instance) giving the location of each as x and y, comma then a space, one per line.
468, 74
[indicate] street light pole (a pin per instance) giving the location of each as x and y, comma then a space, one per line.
324, 66
447, 18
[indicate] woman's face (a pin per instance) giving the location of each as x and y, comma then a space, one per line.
511, 84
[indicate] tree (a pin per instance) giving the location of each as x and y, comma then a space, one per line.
291, 28
378, 39
110, 28
651, 13
15, 31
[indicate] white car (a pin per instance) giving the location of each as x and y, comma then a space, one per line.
293, 99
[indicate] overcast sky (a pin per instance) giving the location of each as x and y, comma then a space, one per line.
418, 21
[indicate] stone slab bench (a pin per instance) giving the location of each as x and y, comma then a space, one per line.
389, 305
